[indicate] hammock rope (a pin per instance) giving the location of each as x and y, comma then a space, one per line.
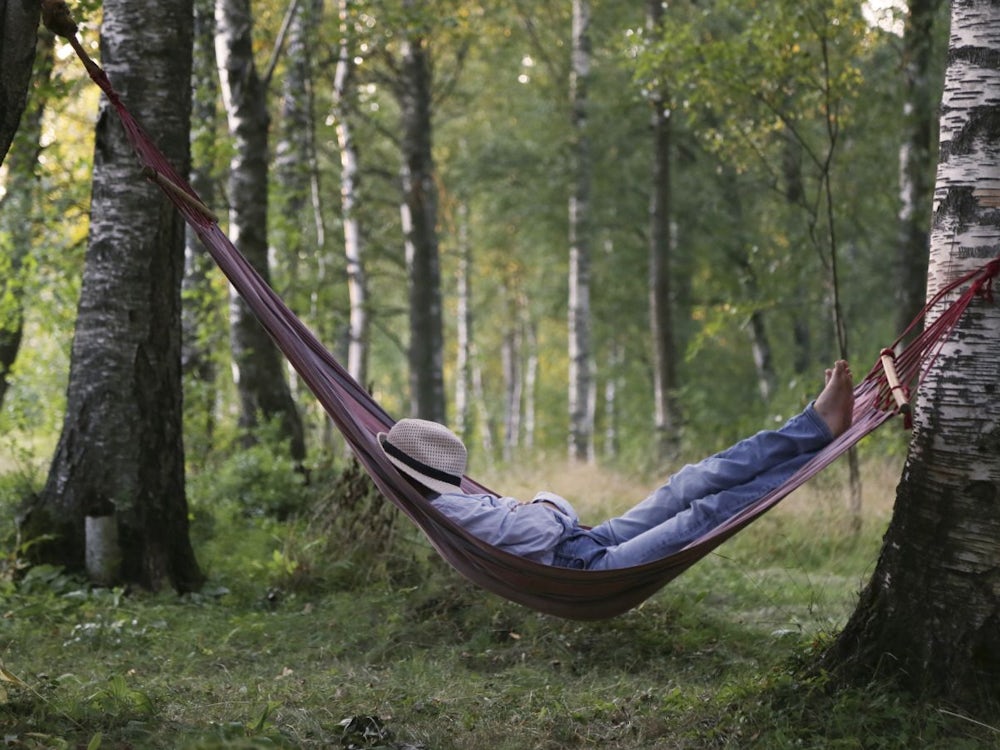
574, 594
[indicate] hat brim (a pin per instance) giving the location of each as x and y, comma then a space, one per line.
435, 485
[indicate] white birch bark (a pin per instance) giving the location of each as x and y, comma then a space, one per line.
258, 369
120, 452
581, 423
932, 609
463, 325
511, 359
530, 380
418, 213
666, 409
357, 284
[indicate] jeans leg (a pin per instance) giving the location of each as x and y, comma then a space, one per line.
700, 517
750, 459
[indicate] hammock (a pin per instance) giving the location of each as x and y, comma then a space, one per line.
572, 594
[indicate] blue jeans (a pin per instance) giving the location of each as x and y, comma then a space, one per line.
697, 498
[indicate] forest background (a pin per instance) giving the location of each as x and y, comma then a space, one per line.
787, 130
757, 149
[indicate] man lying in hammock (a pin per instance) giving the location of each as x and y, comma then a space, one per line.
694, 500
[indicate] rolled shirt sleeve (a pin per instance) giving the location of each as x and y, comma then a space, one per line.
531, 530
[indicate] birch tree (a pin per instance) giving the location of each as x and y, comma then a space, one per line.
292, 237
930, 615
581, 417
511, 364
258, 367
463, 326
115, 491
419, 219
666, 409
202, 310
342, 108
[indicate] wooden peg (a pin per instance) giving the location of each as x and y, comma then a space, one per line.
176, 190
888, 360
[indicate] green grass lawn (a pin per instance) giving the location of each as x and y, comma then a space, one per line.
289, 645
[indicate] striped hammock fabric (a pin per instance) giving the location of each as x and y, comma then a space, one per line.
573, 594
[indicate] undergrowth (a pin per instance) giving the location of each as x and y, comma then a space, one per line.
335, 626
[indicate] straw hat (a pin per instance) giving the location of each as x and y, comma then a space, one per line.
427, 452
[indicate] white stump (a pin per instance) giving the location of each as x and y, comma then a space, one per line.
103, 555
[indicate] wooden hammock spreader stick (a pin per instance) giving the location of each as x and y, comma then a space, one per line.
176, 190
888, 359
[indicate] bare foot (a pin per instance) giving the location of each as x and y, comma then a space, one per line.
835, 405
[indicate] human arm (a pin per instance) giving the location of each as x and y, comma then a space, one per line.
530, 530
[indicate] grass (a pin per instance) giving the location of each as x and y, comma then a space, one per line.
291, 646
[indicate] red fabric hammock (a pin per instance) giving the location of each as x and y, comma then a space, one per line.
574, 594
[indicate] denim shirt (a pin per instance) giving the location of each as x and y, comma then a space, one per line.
531, 530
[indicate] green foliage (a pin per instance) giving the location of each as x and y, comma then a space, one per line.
722, 658
255, 477
753, 89
326, 620
303, 529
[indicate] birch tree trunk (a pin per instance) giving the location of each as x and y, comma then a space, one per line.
202, 310
18, 27
763, 361
510, 355
612, 438
760, 341
741, 262
484, 415
667, 414
794, 192
419, 218
17, 210
581, 419
354, 250
471, 407
931, 614
257, 365
915, 175
120, 452
294, 161
530, 381
463, 327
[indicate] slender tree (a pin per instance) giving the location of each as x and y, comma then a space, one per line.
930, 616
294, 153
530, 381
511, 362
666, 407
260, 372
581, 387
202, 309
342, 108
120, 462
419, 217
463, 326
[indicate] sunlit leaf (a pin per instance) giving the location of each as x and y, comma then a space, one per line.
7, 676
